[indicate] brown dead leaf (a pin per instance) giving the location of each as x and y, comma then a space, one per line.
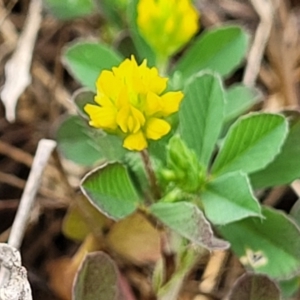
136, 239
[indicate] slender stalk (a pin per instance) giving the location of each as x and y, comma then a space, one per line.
186, 262
151, 175
162, 64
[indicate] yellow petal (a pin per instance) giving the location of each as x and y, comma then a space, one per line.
103, 100
157, 128
130, 119
135, 141
101, 117
157, 84
139, 119
152, 104
124, 69
170, 103
107, 84
122, 118
134, 61
123, 98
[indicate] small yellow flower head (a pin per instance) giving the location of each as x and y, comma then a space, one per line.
130, 101
167, 25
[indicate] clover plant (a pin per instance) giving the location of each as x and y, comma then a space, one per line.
168, 139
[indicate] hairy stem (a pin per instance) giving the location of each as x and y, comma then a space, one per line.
151, 175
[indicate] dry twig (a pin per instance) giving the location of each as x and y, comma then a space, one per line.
17, 69
44, 150
265, 10
13, 277
212, 274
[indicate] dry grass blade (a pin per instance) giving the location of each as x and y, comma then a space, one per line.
7, 28
283, 56
13, 277
17, 69
44, 150
265, 10
212, 274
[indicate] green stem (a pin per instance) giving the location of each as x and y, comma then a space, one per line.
162, 65
151, 175
171, 289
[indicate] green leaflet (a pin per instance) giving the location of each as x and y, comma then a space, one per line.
251, 143
86, 60
229, 198
218, 49
110, 189
188, 220
201, 114
270, 246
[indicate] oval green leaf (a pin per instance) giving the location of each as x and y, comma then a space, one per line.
252, 142
75, 141
110, 189
188, 221
70, 9
85, 61
229, 198
219, 49
270, 246
85, 145
201, 114
286, 166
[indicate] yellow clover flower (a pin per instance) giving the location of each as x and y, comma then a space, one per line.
167, 25
130, 100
